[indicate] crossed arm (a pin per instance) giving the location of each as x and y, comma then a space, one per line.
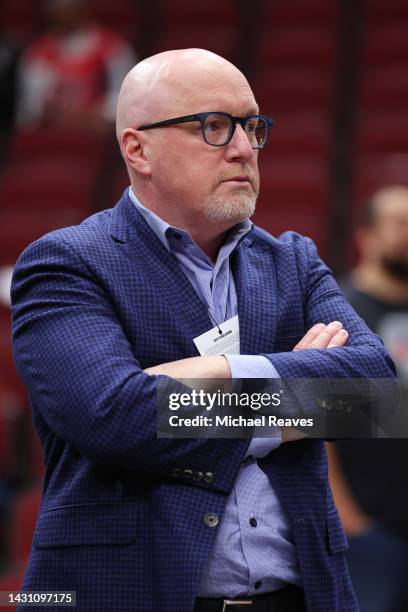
89, 389
320, 336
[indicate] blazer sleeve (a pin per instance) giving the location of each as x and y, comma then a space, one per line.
82, 375
363, 356
370, 388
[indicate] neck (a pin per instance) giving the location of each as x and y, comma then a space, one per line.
375, 281
209, 236
209, 245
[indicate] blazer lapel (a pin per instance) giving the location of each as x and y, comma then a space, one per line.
142, 246
253, 270
256, 287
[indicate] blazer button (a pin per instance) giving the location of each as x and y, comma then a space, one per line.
197, 476
187, 474
211, 519
176, 473
208, 477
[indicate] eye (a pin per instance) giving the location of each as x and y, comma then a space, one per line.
251, 126
214, 125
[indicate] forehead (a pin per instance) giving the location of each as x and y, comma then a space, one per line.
392, 206
237, 100
221, 89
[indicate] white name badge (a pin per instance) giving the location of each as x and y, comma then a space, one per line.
215, 343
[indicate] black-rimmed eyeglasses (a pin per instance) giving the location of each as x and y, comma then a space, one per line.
218, 128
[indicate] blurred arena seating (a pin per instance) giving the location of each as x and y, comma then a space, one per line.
21, 19
121, 15
204, 23
25, 509
294, 83
24, 513
49, 182
380, 153
290, 52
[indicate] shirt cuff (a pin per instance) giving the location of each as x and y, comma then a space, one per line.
251, 366
256, 366
260, 447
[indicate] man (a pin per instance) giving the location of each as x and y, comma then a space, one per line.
103, 310
369, 480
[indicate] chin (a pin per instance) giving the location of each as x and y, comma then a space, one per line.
230, 210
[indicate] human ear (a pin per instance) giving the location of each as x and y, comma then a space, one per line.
134, 151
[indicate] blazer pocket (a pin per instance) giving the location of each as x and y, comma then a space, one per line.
88, 524
337, 540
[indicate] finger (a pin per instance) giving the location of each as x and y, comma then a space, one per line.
309, 337
339, 339
326, 335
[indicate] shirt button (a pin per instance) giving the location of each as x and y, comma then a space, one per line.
197, 476
176, 473
208, 477
253, 521
187, 474
211, 519
258, 584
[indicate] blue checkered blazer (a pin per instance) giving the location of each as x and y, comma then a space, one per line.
95, 304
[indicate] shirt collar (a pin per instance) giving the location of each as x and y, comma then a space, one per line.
158, 225
163, 230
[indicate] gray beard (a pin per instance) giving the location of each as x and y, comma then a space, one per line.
230, 210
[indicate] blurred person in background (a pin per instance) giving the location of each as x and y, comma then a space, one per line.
71, 74
368, 477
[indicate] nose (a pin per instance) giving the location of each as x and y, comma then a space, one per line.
239, 146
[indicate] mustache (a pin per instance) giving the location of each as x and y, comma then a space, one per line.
253, 179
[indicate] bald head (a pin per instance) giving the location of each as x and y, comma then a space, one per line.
171, 83
383, 235
391, 200
173, 170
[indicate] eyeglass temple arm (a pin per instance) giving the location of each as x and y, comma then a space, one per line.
184, 119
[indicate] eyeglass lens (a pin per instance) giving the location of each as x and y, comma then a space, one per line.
218, 128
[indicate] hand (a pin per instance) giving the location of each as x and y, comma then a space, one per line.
320, 336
